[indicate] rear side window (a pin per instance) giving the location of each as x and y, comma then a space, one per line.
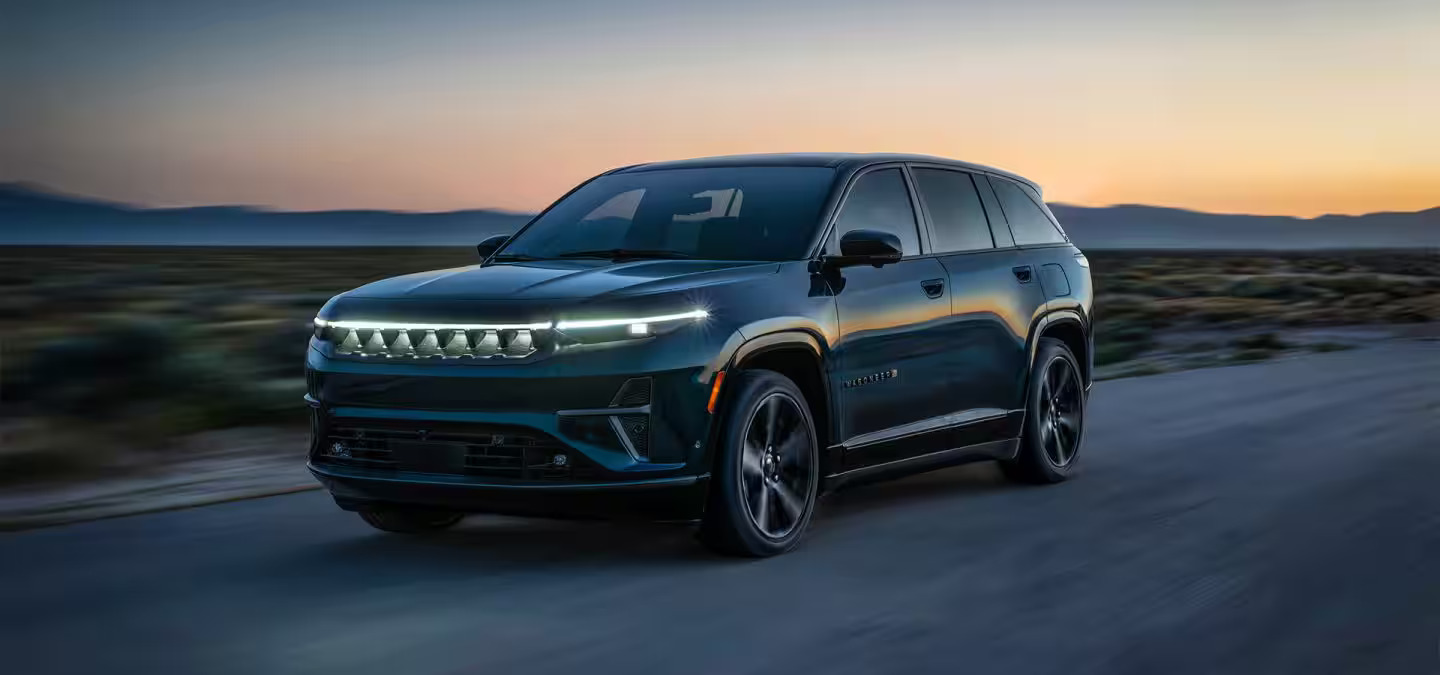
956, 216
879, 201
998, 229
1027, 222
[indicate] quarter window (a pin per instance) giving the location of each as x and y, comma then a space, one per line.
879, 201
1027, 222
956, 216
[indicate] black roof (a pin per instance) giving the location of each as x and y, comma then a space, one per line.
837, 160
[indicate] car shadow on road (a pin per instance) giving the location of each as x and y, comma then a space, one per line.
496, 544
959, 482
503, 546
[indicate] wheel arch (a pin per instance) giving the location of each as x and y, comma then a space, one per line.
802, 357
1070, 327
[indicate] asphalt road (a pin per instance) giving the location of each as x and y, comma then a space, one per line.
1273, 518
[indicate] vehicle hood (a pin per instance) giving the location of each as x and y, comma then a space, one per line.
539, 291
563, 280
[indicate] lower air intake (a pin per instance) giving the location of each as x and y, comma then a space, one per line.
506, 454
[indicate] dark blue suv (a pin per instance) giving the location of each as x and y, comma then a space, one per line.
720, 340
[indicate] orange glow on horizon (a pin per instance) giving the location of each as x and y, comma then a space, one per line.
1243, 108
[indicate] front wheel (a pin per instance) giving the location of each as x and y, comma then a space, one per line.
1054, 417
767, 468
410, 521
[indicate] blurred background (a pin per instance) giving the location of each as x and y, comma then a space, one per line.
186, 182
183, 184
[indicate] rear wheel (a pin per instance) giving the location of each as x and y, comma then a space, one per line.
767, 468
1054, 418
410, 521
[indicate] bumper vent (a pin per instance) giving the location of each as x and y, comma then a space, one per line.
636, 429
633, 394
633, 427
439, 344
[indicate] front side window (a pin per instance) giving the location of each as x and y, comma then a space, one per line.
1027, 222
730, 213
879, 201
956, 216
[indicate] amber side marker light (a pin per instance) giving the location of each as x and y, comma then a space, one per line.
715, 392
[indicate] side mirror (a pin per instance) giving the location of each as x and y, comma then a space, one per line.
488, 247
867, 247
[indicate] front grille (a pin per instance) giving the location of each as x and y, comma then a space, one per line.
427, 343
491, 452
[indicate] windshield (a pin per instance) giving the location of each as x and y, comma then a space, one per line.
732, 213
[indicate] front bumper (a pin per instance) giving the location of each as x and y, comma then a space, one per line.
674, 498
551, 438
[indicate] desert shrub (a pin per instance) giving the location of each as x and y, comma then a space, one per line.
41, 450
1126, 331
1121, 339
1107, 353
280, 350
151, 375
90, 371
1292, 289
1261, 341
1247, 355
1221, 309
1116, 310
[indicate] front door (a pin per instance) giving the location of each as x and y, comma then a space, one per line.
891, 351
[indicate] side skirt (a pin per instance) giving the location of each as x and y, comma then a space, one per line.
977, 452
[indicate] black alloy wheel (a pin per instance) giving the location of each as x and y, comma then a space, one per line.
767, 468
776, 467
1061, 405
1054, 428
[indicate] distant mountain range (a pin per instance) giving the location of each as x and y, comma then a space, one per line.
1135, 226
35, 215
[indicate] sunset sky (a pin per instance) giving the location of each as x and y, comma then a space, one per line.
1295, 107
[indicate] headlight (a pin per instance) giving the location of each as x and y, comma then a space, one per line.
454, 340
621, 328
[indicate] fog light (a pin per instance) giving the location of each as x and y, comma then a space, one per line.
339, 450
639, 329
560, 460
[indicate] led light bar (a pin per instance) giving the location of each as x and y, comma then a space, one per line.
611, 323
382, 325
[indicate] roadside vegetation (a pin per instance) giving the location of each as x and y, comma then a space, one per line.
1159, 311
118, 359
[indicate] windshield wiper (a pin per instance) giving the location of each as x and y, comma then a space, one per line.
515, 257
626, 253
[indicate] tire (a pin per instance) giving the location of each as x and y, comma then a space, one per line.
410, 521
767, 468
1054, 418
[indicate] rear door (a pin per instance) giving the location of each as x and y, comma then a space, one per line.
1046, 248
891, 351
1061, 269
995, 298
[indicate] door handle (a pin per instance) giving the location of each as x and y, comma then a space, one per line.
1023, 273
934, 288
